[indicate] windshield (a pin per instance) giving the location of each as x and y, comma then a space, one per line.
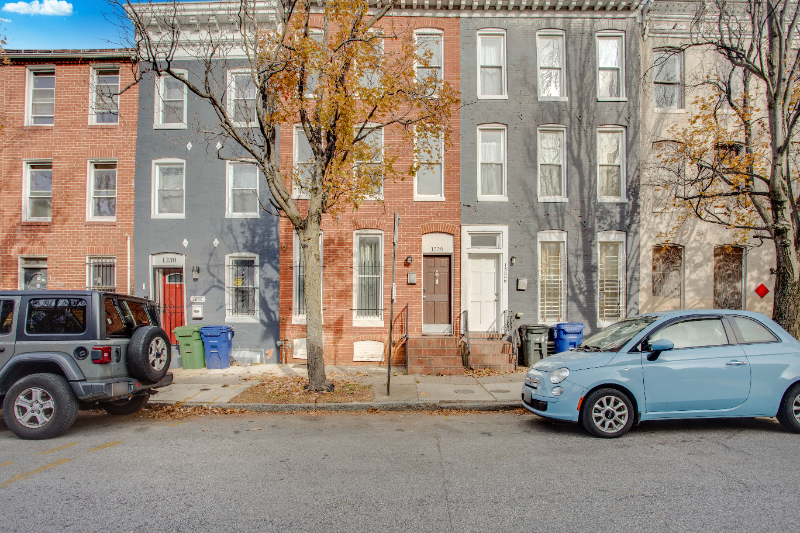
615, 336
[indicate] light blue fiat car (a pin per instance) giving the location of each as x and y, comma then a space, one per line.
670, 365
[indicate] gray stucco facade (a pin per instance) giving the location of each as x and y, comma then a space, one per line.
581, 215
206, 234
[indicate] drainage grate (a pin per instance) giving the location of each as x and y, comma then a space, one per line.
464, 391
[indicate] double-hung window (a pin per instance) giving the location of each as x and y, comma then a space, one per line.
667, 276
552, 276
369, 276
299, 267
492, 64
369, 161
370, 69
170, 102
241, 287
610, 65
42, 97
303, 163
551, 63
168, 188
668, 79
611, 155
101, 273
242, 190
429, 181
552, 170
492, 163
429, 64
242, 99
38, 191
105, 97
102, 190
611, 294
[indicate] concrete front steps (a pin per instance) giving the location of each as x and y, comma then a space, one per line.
442, 355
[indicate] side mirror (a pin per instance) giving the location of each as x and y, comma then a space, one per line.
661, 345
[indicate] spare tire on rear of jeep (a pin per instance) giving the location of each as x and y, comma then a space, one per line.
149, 354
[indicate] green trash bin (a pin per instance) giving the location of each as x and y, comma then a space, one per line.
191, 345
534, 343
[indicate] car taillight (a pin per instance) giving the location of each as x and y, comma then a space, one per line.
101, 355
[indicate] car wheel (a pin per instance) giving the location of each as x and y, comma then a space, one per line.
125, 406
40, 406
607, 413
789, 412
149, 354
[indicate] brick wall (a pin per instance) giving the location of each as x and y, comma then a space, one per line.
71, 143
417, 218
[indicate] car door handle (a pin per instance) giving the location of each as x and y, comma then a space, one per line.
736, 363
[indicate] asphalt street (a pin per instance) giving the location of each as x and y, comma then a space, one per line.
399, 472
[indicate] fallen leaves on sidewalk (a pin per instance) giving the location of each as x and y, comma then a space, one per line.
486, 372
180, 412
291, 389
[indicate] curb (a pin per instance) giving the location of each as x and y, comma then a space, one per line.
357, 406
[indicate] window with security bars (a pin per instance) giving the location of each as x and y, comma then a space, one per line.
242, 287
369, 277
42, 98
611, 282
552, 282
728, 277
668, 273
102, 274
106, 96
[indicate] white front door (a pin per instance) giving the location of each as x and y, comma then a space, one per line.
484, 292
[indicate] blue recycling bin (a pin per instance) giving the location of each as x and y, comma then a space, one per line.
217, 342
567, 335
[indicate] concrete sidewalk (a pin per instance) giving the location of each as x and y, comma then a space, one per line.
216, 388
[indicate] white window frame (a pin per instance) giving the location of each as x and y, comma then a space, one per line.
681, 82
231, 99
21, 267
367, 321
623, 162
494, 197
228, 286
493, 32
371, 126
297, 193
93, 95
297, 318
544, 237
313, 32
229, 189
154, 188
563, 69
29, 77
159, 104
429, 197
26, 190
379, 35
92, 260
430, 31
611, 34
552, 128
90, 190
616, 237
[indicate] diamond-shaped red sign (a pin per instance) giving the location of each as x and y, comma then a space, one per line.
762, 291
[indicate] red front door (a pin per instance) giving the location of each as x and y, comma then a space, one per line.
169, 297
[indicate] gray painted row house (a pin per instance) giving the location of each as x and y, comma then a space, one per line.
549, 157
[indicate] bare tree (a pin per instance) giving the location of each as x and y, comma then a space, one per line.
336, 68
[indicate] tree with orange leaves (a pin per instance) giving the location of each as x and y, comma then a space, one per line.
338, 68
734, 165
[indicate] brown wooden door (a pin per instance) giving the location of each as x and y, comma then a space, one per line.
436, 289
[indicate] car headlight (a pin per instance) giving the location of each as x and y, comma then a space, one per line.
559, 375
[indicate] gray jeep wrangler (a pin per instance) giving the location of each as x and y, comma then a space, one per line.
65, 350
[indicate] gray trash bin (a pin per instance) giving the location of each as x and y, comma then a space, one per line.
534, 343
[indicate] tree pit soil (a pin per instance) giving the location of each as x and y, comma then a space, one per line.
291, 389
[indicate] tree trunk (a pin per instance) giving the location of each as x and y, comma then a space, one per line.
309, 243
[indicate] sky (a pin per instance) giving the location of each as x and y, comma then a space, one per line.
58, 24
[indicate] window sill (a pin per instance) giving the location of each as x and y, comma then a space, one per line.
368, 323
36, 222
429, 198
241, 215
621, 99
553, 199
300, 196
492, 198
299, 320
242, 319
501, 97
104, 125
554, 99
668, 111
100, 222
168, 217
613, 200
33, 127
170, 126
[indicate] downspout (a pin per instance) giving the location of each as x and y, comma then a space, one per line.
128, 237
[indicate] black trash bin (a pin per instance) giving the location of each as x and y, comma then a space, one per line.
534, 343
